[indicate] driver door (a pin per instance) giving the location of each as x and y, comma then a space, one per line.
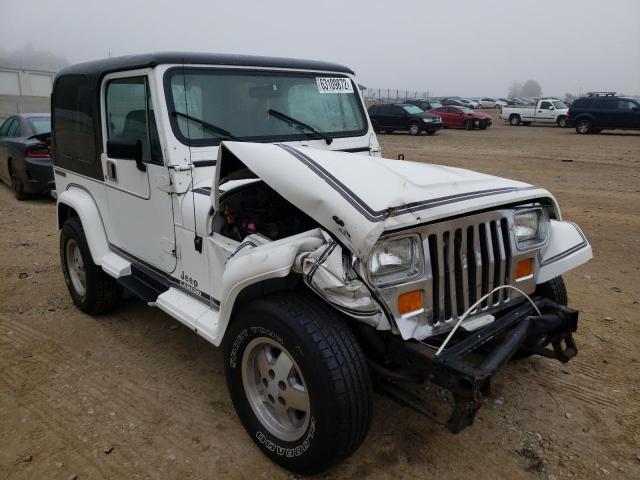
546, 112
138, 198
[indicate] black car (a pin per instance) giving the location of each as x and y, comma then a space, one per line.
604, 111
25, 164
424, 104
452, 102
398, 116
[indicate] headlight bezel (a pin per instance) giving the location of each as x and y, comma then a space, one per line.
413, 271
531, 242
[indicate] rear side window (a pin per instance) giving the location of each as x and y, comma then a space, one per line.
73, 137
605, 103
581, 103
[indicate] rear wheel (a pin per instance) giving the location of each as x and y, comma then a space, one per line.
584, 126
562, 121
299, 381
91, 289
414, 128
16, 185
514, 120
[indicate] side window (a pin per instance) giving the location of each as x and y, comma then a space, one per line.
626, 105
545, 105
130, 115
7, 127
581, 103
605, 103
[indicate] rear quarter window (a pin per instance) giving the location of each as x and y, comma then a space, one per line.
581, 103
73, 134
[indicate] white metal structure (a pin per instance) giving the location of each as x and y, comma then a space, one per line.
205, 225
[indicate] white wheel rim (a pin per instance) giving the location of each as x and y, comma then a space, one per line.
583, 127
75, 267
413, 129
276, 389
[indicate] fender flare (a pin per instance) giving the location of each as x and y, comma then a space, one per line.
80, 201
567, 249
273, 260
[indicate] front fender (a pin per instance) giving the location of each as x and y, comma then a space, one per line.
83, 204
253, 265
568, 248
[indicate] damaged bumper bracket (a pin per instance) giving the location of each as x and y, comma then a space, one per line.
465, 368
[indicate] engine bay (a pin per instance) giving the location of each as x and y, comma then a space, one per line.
257, 208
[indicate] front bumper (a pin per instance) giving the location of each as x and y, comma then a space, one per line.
465, 368
431, 126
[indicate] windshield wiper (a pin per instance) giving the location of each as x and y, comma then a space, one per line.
220, 132
291, 120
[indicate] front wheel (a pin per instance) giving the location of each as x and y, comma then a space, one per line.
555, 290
414, 129
468, 124
299, 381
584, 126
562, 121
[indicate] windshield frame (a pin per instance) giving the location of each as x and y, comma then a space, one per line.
209, 142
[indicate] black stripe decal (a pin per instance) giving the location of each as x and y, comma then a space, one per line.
165, 277
60, 172
203, 191
353, 150
379, 215
204, 163
569, 251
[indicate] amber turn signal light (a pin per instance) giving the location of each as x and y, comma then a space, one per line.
524, 268
410, 302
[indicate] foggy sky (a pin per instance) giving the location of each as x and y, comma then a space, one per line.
467, 48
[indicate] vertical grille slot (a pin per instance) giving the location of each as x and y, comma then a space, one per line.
471, 265
459, 274
484, 254
507, 251
447, 275
435, 272
498, 253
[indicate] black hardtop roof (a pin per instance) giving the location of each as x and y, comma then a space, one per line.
98, 68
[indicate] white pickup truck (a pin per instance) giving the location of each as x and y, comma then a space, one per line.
547, 110
246, 198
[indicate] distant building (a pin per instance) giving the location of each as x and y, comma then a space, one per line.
24, 91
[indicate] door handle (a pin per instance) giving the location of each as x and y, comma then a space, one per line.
111, 170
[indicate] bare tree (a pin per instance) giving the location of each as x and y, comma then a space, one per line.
514, 89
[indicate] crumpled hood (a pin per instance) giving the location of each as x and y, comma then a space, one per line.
356, 197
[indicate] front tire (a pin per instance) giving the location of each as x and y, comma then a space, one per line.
562, 121
555, 290
414, 129
584, 126
299, 381
468, 124
92, 290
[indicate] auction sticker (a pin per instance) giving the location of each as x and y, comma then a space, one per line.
334, 85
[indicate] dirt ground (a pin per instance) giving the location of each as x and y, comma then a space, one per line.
136, 395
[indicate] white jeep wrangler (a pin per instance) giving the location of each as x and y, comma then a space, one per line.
245, 197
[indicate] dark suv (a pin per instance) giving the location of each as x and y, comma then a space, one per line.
604, 111
397, 116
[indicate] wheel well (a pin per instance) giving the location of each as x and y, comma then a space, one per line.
64, 213
513, 115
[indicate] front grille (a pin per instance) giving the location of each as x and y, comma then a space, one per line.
468, 262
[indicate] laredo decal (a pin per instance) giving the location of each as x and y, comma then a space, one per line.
289, 452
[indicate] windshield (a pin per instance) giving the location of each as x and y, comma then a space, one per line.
239, 103
466, 110
559, 104
435, 105
40, 125
412, 109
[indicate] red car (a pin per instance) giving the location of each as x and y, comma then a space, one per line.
462, 117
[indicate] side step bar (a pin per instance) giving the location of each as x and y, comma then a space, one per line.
142, 285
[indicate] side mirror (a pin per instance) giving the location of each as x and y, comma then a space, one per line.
126, 149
